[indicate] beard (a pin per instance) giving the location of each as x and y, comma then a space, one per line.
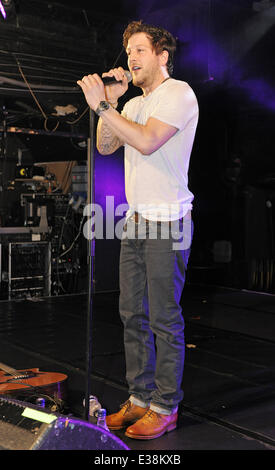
139, 82
139, 79
145, 77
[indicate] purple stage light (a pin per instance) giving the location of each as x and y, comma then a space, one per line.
2, 9
109, 179
260, 91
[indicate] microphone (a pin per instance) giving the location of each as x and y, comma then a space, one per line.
112, 80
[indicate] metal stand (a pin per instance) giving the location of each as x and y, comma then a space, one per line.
91, 263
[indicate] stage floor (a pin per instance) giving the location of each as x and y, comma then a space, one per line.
229, 401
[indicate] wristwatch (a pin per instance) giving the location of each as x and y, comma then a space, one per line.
103, 106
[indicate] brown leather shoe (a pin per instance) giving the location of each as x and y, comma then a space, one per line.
152, 425
128, 414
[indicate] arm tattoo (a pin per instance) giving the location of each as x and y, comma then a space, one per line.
107, 141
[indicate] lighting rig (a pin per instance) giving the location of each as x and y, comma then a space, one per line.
7, 8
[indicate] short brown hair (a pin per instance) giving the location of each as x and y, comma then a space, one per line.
161, 39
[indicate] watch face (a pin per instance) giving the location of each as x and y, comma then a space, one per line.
104, 105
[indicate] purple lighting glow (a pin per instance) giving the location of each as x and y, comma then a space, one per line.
2, 9
261, 91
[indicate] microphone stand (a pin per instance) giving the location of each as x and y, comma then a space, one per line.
91, 262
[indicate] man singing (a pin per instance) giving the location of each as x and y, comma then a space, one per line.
157, 130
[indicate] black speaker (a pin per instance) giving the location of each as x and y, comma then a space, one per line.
24, 426
259, 241
259, 218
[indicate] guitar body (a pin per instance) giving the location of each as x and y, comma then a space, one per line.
30, 380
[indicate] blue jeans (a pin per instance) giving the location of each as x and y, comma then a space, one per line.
152, 277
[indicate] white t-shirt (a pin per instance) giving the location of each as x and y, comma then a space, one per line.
157, 184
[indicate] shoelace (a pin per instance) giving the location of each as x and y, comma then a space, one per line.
127, 404
151, 414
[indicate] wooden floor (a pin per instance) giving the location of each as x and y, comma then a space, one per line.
229, 377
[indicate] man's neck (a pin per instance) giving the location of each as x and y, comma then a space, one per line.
162, 78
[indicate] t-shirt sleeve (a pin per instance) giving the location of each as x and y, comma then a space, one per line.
176, 106
124, 110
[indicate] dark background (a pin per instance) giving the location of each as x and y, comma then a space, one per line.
225, 52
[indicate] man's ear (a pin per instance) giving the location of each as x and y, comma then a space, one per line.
164, 56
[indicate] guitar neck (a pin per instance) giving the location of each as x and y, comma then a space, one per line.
7, 369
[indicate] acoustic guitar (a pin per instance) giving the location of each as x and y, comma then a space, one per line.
14, 381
